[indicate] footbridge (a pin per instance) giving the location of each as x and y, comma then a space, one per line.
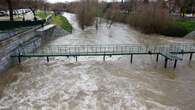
171, 52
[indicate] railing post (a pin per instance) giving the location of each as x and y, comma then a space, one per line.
76, 58
75, 50
175, 64
157, 57
121, 49
104, 57
47, 59
191, 54
131, 58
166, 61
113, 49
19, 58
87, 50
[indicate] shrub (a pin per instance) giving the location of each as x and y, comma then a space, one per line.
174, 30
154, 19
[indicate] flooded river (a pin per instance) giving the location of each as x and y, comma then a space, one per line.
91, 84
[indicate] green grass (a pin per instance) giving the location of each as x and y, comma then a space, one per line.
187, 24
42, 15
179, 28
59, 20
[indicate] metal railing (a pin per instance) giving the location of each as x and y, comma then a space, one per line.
110, 49
168, 51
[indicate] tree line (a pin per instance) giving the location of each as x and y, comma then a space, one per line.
185, 6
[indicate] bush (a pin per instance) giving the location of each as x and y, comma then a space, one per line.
174, 30
115, 14
154, 19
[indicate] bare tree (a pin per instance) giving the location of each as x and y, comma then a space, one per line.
34, 5
122, 1
113, 13
10, 7
158, 19
146, 1
184, 5
86, 13
131, 5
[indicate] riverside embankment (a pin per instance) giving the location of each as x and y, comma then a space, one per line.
35, 37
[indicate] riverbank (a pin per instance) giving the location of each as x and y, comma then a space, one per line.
33, 38
57, 19
156, 24
162, 25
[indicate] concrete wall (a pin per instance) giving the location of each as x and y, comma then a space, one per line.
9, 46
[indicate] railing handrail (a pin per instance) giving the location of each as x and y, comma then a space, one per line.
109, 49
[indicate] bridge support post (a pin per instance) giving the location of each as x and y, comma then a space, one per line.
76, 58
47, 59
166, 61
175, 64
104, 58
157, 57
191, 54
19, 59
131, 58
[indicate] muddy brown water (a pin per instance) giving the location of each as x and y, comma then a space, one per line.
91, 84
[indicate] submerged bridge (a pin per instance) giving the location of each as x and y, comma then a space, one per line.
170, 52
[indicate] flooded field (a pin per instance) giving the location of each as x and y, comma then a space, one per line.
91, 84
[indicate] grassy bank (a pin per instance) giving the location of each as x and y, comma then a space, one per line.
179, 28
150, 19
43, 15
189, 25
59, 20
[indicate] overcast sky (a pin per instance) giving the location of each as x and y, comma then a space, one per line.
54, 1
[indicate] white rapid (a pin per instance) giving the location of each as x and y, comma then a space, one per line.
91, 84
